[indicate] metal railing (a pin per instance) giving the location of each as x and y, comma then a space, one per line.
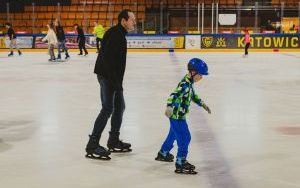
199, 18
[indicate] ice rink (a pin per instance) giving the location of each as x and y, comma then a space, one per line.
251, 139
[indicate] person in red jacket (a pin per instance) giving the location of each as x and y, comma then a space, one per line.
247, 41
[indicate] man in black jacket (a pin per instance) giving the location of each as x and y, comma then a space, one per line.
81, 39
110, 68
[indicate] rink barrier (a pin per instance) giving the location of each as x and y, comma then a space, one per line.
173, 42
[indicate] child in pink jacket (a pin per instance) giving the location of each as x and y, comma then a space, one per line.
247, 42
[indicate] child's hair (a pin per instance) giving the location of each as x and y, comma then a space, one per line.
8, 24
51, 25
58, 22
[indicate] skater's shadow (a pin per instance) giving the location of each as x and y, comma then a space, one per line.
4, 146
173, 57
216, 167
16, 130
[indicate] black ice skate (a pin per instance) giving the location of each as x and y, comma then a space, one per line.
99, 153
94, 151
114, 144
118, 146
10, 54
168, 158
67, 56
52, 60
58, 57
185, 168
20, 53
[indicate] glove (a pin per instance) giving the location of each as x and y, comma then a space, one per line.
206, 108
169, 111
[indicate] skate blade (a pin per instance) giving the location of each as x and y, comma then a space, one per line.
62, 60
187, 172
91, 156
163, 160
113, 150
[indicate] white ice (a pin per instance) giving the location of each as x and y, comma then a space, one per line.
251, 139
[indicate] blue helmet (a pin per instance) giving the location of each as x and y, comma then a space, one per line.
198, 65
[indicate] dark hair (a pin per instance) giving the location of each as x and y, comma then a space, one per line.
58, 23
123, 14
8, 24
51, 24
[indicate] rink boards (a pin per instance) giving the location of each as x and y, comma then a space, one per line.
219, 42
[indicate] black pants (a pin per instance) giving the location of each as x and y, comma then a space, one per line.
112, 104
246, 48
98, 40
81, 44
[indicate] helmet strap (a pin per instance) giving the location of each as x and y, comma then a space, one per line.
192, 75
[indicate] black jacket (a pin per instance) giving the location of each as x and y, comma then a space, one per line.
11, 33
111, 61
60, 33
80, 34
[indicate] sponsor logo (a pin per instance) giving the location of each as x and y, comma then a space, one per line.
221, 42
207, 41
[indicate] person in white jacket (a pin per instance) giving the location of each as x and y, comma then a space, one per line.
52, 40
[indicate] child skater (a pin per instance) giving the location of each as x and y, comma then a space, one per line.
13, 40
52, 40
81, 40
177, 108
60, 35
247, 42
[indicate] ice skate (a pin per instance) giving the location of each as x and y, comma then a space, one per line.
119, 146
94, 151
168, 157
52, 60
58, 57
99, 153
116, 145
67, 56
185, 168
10, 54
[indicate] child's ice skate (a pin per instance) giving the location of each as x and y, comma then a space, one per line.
67, 56
94, 151
185, 168
166, 157
52, 60
58, 57
10, 54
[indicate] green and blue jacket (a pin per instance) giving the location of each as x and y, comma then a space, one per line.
181, 98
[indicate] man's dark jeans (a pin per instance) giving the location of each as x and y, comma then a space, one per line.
112, 104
